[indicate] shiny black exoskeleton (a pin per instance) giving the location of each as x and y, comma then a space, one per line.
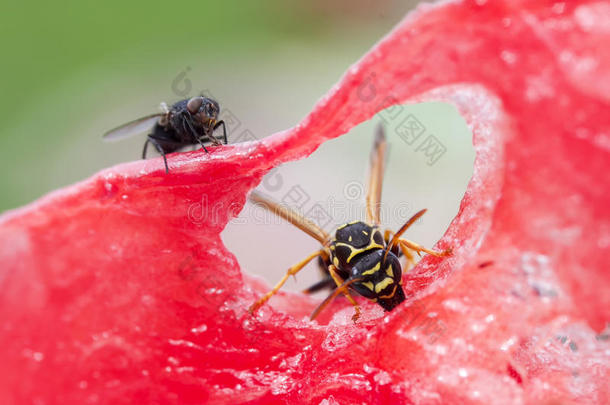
358, 251
358, 258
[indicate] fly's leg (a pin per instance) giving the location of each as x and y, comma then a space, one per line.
159, 149
224, 130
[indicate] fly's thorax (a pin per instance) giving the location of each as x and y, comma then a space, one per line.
164, 120
352, 241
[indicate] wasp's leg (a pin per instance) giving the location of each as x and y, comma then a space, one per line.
291, 272
387, 236
409, 256
320, 285
338, 282
327, 281
418, 248
224, 130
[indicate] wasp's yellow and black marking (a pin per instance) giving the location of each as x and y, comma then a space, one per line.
357, 251
359, 258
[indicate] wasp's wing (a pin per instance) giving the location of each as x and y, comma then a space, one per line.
375, 181
133, 127
291, 216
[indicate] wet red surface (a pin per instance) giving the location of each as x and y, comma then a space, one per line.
110, 294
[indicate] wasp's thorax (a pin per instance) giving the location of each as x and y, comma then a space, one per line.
358, 251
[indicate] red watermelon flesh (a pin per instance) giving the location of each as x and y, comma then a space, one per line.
111, 295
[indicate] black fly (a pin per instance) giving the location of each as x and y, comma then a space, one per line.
188, 122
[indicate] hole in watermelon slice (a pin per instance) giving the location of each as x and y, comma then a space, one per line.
430, 160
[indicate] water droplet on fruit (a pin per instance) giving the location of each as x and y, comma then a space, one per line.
507, 344
440, 349
455, 304
382, 378
147, 300
199, 329
593, 17
292, 362
249, 325
509, 57
335, 340
558, 8
477, 327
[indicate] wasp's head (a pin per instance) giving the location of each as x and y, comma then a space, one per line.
204, 110
379, 278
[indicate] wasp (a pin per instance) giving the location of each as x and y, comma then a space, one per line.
187, 122
359, 257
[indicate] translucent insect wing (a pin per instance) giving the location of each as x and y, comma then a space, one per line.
133, 127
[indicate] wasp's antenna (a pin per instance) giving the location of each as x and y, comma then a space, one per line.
401, 231
340, 289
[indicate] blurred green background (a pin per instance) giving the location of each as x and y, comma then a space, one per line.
73, 70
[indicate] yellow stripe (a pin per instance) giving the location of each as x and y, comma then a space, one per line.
389, 295
368, 285
380, 286
373, 270
357, 251
389, 271
349, 223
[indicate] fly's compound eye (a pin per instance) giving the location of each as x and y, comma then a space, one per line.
194, 104
211, 110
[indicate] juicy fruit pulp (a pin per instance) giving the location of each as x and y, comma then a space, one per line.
111, 295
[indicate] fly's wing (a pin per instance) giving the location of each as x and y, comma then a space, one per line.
133, 127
